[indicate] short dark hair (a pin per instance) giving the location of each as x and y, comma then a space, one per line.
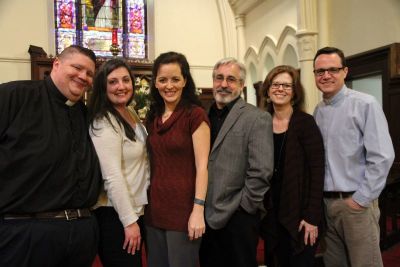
78, 49
331, 50
298, 89
99, 105
189, 96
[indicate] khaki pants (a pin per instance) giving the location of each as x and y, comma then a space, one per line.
352, 236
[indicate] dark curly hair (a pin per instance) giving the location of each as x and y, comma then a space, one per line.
99, 105
189, 97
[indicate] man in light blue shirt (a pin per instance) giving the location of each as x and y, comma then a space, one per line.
359, 153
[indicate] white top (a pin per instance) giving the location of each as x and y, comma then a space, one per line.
124, 166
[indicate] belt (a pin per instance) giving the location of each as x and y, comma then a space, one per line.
341, 195
70, 214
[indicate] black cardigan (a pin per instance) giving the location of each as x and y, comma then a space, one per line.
303, 177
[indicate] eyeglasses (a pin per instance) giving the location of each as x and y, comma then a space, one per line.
331, 71
229, 80
285, 86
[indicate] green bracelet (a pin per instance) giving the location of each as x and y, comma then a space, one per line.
199, 201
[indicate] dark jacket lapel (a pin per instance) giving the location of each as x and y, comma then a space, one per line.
232, 117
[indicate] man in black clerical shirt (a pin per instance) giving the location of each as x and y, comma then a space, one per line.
49, 171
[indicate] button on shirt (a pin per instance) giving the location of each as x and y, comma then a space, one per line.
359, 151
47, 160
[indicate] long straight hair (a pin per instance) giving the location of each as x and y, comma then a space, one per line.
100, 106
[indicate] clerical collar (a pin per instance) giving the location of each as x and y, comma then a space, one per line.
69, 103
56, 93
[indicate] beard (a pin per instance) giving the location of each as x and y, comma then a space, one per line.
224, 96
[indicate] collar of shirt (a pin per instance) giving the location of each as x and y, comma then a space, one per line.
214, 111
56, 94
336, 98
218, 116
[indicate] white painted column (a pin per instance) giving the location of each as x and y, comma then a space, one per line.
241, 49
241, 41
229, 34
307, 47
323, 18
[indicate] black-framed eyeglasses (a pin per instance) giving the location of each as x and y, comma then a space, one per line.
228, 79
331, 71
285, 86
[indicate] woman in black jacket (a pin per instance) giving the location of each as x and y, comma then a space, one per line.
294, 203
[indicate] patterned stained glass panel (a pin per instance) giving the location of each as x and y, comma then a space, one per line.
101, 15
65, 24
136, 28
136, 17
96, 19
136, 46
65, 38
66, 14
100, 42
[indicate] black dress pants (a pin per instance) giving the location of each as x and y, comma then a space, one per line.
48, 242
278, 251
112, 238
235, 245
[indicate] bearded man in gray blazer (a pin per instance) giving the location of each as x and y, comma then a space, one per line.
239, 168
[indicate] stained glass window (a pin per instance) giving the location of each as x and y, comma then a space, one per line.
91, 22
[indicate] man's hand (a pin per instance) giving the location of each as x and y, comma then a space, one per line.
352, 204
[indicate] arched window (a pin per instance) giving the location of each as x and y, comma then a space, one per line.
96, 24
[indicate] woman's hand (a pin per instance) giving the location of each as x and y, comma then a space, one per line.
132, 238
196, 224
310, 232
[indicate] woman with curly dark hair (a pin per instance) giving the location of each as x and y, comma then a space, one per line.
179, 144
294, 202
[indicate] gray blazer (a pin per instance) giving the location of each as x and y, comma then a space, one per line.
240, 164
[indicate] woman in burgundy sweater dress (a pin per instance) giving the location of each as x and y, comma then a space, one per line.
179, 144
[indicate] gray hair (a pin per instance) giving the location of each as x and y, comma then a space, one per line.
231, 60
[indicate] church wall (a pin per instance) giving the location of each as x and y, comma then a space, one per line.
193, 28
188, 26
352, 25
269, 18
361, 25
22, 24
267, 38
